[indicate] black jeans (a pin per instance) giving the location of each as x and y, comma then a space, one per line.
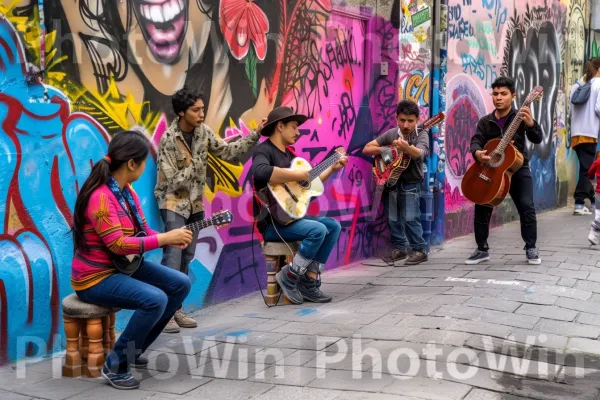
521, 192
586, 153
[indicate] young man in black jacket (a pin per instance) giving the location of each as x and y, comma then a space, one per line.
493, 126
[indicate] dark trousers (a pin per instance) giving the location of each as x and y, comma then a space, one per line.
586, 153
155, 292
521, 192
174, 257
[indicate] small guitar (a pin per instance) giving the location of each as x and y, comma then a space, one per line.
130, 263
288, 202
489, 183
391, 163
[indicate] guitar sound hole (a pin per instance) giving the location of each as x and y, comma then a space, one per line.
496, 160
304, 184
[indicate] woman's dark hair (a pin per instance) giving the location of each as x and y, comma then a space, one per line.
591, 68
184, 98
408, 107
504, 81
124, 146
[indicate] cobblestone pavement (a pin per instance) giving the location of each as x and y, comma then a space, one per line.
442, 330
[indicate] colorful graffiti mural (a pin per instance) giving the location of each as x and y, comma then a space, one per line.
526, 41
114, 67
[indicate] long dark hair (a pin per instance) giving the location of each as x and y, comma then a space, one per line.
591, 69
124, 146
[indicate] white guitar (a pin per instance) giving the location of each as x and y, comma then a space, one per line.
288, 202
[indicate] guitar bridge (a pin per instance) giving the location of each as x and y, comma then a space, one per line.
485, 178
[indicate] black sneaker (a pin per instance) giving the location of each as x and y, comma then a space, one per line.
533, 257
417, 257
124, 381
310, 290
477, 257
287, 279
140, 362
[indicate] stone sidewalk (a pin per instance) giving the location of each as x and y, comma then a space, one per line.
441, 330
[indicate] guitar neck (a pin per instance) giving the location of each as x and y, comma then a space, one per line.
323, 165
512, 130
199, 225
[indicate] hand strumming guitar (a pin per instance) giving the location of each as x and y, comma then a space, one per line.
177, 238
481, 156
401, 144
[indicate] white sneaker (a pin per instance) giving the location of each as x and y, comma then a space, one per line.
594, 237
582, 210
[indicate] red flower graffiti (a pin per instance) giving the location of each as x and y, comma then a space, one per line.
242, 22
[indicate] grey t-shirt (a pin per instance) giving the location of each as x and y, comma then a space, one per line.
419, 139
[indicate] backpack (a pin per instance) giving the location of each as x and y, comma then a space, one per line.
581, 94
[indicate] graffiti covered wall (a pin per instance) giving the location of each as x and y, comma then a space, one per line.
109, 66
526, 41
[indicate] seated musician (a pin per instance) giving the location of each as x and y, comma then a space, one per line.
107, 215
493, 126
299, 280
402, 202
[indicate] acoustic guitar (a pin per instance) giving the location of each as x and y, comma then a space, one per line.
391, 163
288, 202
130, 263
489, 183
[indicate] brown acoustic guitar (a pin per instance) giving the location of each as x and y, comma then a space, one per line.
488, 183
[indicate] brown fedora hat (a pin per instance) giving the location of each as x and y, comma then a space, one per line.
283, 114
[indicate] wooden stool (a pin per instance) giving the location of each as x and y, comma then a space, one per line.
90, 331
277, 255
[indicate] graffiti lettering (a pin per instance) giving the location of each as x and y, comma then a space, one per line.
497, 11
347, 115
343, 51
458, 27
477, 66
416, 88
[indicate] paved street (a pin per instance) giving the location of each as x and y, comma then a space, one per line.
442, 330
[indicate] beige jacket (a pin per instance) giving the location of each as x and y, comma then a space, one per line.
182, 171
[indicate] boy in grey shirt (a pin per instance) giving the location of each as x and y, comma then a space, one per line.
402, 205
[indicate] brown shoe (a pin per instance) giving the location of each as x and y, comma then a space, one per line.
184, 321
397, 255
171, 327
417, 257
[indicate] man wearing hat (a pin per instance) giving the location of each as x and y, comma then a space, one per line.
299, 280
182, 160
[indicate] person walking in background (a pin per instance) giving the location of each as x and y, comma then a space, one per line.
585, 124
594, 172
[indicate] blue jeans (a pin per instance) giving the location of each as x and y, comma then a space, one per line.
155, 292
318, 235
404, 216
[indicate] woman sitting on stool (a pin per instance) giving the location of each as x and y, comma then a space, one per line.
107, 216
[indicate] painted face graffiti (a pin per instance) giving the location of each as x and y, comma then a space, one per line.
164, 25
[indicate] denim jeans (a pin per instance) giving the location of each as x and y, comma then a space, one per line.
586, 153
521, 192
154, 291
402, 205
318, 235
175, 257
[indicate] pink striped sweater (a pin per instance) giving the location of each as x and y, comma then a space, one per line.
107, 229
